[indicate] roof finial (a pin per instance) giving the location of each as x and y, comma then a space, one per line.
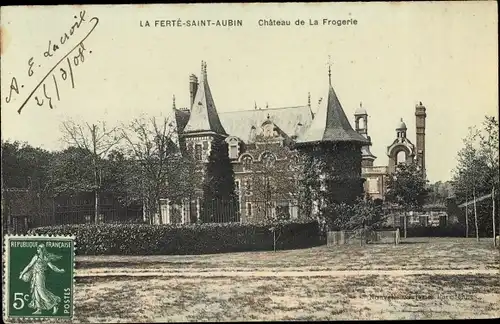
255, 105
360, 104
267, 106
309, 99
329, 70
202, 65
173, 101
401, 118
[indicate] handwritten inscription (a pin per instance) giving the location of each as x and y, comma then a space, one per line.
47, 90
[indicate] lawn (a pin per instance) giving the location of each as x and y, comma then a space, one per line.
419, 279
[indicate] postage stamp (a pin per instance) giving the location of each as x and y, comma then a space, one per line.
39, 277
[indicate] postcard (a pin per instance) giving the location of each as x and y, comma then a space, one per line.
250, 162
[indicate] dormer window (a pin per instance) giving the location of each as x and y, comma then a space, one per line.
233, 151
233, 144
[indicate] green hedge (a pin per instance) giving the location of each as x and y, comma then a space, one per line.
140, 239
452, 230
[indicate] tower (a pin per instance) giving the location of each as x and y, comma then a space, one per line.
204, 124
361, 126
331, 144
420, 116
401, 150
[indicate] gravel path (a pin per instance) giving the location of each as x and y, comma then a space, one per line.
279, 273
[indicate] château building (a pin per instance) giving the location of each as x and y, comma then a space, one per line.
264, 146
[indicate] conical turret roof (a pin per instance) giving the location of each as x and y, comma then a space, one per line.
331, 124
203, 116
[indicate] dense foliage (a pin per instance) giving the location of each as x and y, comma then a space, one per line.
135, 239
439, 192
477, 175
218, 186
363, 214
24, 166
407, 188
452, 230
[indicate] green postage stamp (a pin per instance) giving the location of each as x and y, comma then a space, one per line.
39, 277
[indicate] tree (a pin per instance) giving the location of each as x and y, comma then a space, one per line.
470, 177
363, 214
276, 222
71, 172
407, 188
24, 166
489, 152
96, 141
25, 179
220, 202
311, 190
188, 178
275, 179
152, 144
120, 176
439, 192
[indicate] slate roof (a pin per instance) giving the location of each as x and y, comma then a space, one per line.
245, 124
182, 117
293, 121
366, 153
204, 115
331, 124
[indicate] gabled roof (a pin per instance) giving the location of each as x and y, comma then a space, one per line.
331, 124
203, 116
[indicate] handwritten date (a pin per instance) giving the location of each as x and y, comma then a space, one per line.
48, 88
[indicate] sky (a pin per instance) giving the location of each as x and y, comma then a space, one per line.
444, 54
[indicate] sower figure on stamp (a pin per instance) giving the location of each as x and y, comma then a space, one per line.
34, 272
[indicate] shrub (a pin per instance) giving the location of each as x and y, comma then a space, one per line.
144, 239
452, 230
362, 214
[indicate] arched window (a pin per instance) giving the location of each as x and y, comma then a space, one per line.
268, 158
361, 123
247, 161
401, 157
